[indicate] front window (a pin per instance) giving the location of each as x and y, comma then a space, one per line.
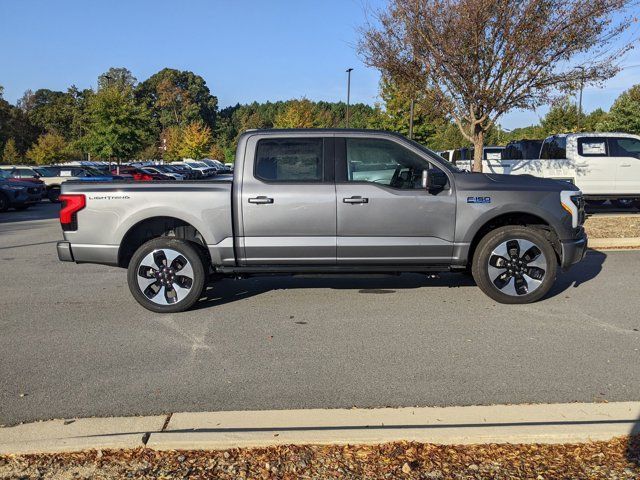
384, 162
290, 160
624, 147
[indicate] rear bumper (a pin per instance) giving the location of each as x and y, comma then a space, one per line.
64, 252
574, 250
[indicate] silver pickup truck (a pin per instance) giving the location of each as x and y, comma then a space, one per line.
329, 202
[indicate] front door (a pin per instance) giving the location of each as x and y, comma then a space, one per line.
385, 216
288, 202
626, 151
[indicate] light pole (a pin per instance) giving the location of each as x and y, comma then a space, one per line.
349, 70
411, 119
580, 100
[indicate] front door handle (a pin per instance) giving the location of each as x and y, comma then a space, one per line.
260, 200
355, 200
625, 165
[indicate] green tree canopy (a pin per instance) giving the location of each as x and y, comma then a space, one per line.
624, 115
177, 97
117, 126
50, 148
10, 154
118, 77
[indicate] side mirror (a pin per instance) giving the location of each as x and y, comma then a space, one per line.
434, 179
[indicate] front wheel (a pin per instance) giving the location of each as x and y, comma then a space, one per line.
166, 275
53, 194
515, 265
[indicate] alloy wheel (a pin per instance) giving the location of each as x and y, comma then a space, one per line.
517, 267
165, 276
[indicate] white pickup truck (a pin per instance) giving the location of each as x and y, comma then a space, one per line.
605, 166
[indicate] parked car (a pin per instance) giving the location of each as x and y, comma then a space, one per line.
202, 169
327, 201
220, 167
18, 194
162, 170
139, 174
53, 176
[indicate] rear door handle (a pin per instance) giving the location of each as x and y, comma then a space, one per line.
260, 200
626, 165
355, 200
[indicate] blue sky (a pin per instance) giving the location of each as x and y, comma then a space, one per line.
245, 50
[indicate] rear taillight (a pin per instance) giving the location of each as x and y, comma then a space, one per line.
71, 205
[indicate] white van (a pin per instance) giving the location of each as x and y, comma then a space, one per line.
605, 166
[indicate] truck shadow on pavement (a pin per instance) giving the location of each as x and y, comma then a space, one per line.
228, 290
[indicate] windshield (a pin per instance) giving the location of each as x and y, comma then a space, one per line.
44, 172
93, 172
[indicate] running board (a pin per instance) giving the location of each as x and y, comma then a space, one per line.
332, 269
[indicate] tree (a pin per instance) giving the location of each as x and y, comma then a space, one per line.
217, 153
50, 148
177, 98
171, 143
624, 115
10, 154
117, 127
118, 77
297, 114
593, 121
196, 139
562, 117
483, 58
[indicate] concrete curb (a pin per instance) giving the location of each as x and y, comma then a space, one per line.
613, 243
555, 423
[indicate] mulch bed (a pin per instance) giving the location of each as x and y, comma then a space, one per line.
613, 227
615, 459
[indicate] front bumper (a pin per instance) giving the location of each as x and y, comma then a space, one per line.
574, 250
64, 252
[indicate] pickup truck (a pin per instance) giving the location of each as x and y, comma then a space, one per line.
326, 202
604, 166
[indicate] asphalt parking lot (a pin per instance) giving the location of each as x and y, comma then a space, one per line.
74, 343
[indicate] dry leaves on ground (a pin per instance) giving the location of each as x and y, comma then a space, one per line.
615, 459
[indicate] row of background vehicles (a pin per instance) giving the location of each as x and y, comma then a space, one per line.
22, 185
605, 166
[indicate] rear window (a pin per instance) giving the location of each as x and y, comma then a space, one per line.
290, 160
554, 148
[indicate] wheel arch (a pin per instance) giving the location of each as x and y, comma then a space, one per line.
516, 218
154, 227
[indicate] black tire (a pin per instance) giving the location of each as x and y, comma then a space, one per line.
521, 292
622, 203
4, 202
53, 193
162, 303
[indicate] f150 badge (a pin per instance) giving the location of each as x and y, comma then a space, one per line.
478, 199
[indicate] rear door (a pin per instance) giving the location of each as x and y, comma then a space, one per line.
626, 151
384, 214
288, 200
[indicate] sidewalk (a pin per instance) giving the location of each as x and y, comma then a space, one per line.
522, 424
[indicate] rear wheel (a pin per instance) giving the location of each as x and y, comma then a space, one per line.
623, 202
166, 275
515, 264
4, 202
53, 193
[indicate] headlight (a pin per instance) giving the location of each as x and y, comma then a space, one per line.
573, 203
